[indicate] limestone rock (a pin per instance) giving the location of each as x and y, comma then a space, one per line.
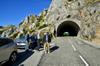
85, 13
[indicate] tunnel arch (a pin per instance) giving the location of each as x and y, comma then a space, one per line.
68, 26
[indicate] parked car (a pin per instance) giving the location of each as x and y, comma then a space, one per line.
22, 43
8, 50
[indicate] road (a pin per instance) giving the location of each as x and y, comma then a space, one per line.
71, 52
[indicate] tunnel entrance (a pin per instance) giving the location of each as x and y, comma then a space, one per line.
69, 27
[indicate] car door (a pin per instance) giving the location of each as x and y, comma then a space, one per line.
12, 46
4, 50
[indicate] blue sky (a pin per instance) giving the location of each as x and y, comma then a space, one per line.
14, 11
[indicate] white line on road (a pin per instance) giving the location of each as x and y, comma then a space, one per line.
83, 60
74, 47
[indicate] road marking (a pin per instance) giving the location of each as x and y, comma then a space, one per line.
83, 60
74, 47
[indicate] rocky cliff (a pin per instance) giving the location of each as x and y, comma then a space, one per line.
85, 13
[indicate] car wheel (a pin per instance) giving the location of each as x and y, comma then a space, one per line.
13, 57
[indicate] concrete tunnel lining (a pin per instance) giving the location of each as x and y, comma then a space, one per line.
68, 26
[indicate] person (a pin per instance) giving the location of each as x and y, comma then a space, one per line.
28, 41
46, 42
38, 40
28, 37
35, 36
33, 41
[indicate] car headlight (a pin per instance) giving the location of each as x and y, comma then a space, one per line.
18, 43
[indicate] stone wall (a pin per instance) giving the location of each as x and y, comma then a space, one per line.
86, 16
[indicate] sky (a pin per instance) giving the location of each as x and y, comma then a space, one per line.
14, 11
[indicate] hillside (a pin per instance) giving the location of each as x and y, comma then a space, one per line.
30, 24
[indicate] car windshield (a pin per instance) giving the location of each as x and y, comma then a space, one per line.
22, 39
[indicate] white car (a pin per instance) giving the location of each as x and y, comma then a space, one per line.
8, 50
22, 44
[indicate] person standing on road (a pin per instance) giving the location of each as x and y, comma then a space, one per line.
38, 40
28, 37
46, 42
35, 38
33, 41
28, 41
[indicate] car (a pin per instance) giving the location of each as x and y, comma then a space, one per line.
8, 50
22, 43
66, 34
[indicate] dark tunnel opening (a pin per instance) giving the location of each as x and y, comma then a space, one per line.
68, 26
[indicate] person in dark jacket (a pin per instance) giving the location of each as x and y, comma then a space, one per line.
33, 43
46, 42
28, 37
28, 41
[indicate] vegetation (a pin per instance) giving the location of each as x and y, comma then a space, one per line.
91, 1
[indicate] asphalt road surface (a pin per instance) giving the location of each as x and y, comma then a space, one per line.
71, 52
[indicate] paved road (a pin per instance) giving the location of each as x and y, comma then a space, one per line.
71, 52
89, 52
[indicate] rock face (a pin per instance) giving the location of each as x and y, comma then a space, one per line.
74, 16
28, 23
91, 19
33, 22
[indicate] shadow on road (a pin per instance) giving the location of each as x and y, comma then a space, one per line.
54, 48
22, 56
